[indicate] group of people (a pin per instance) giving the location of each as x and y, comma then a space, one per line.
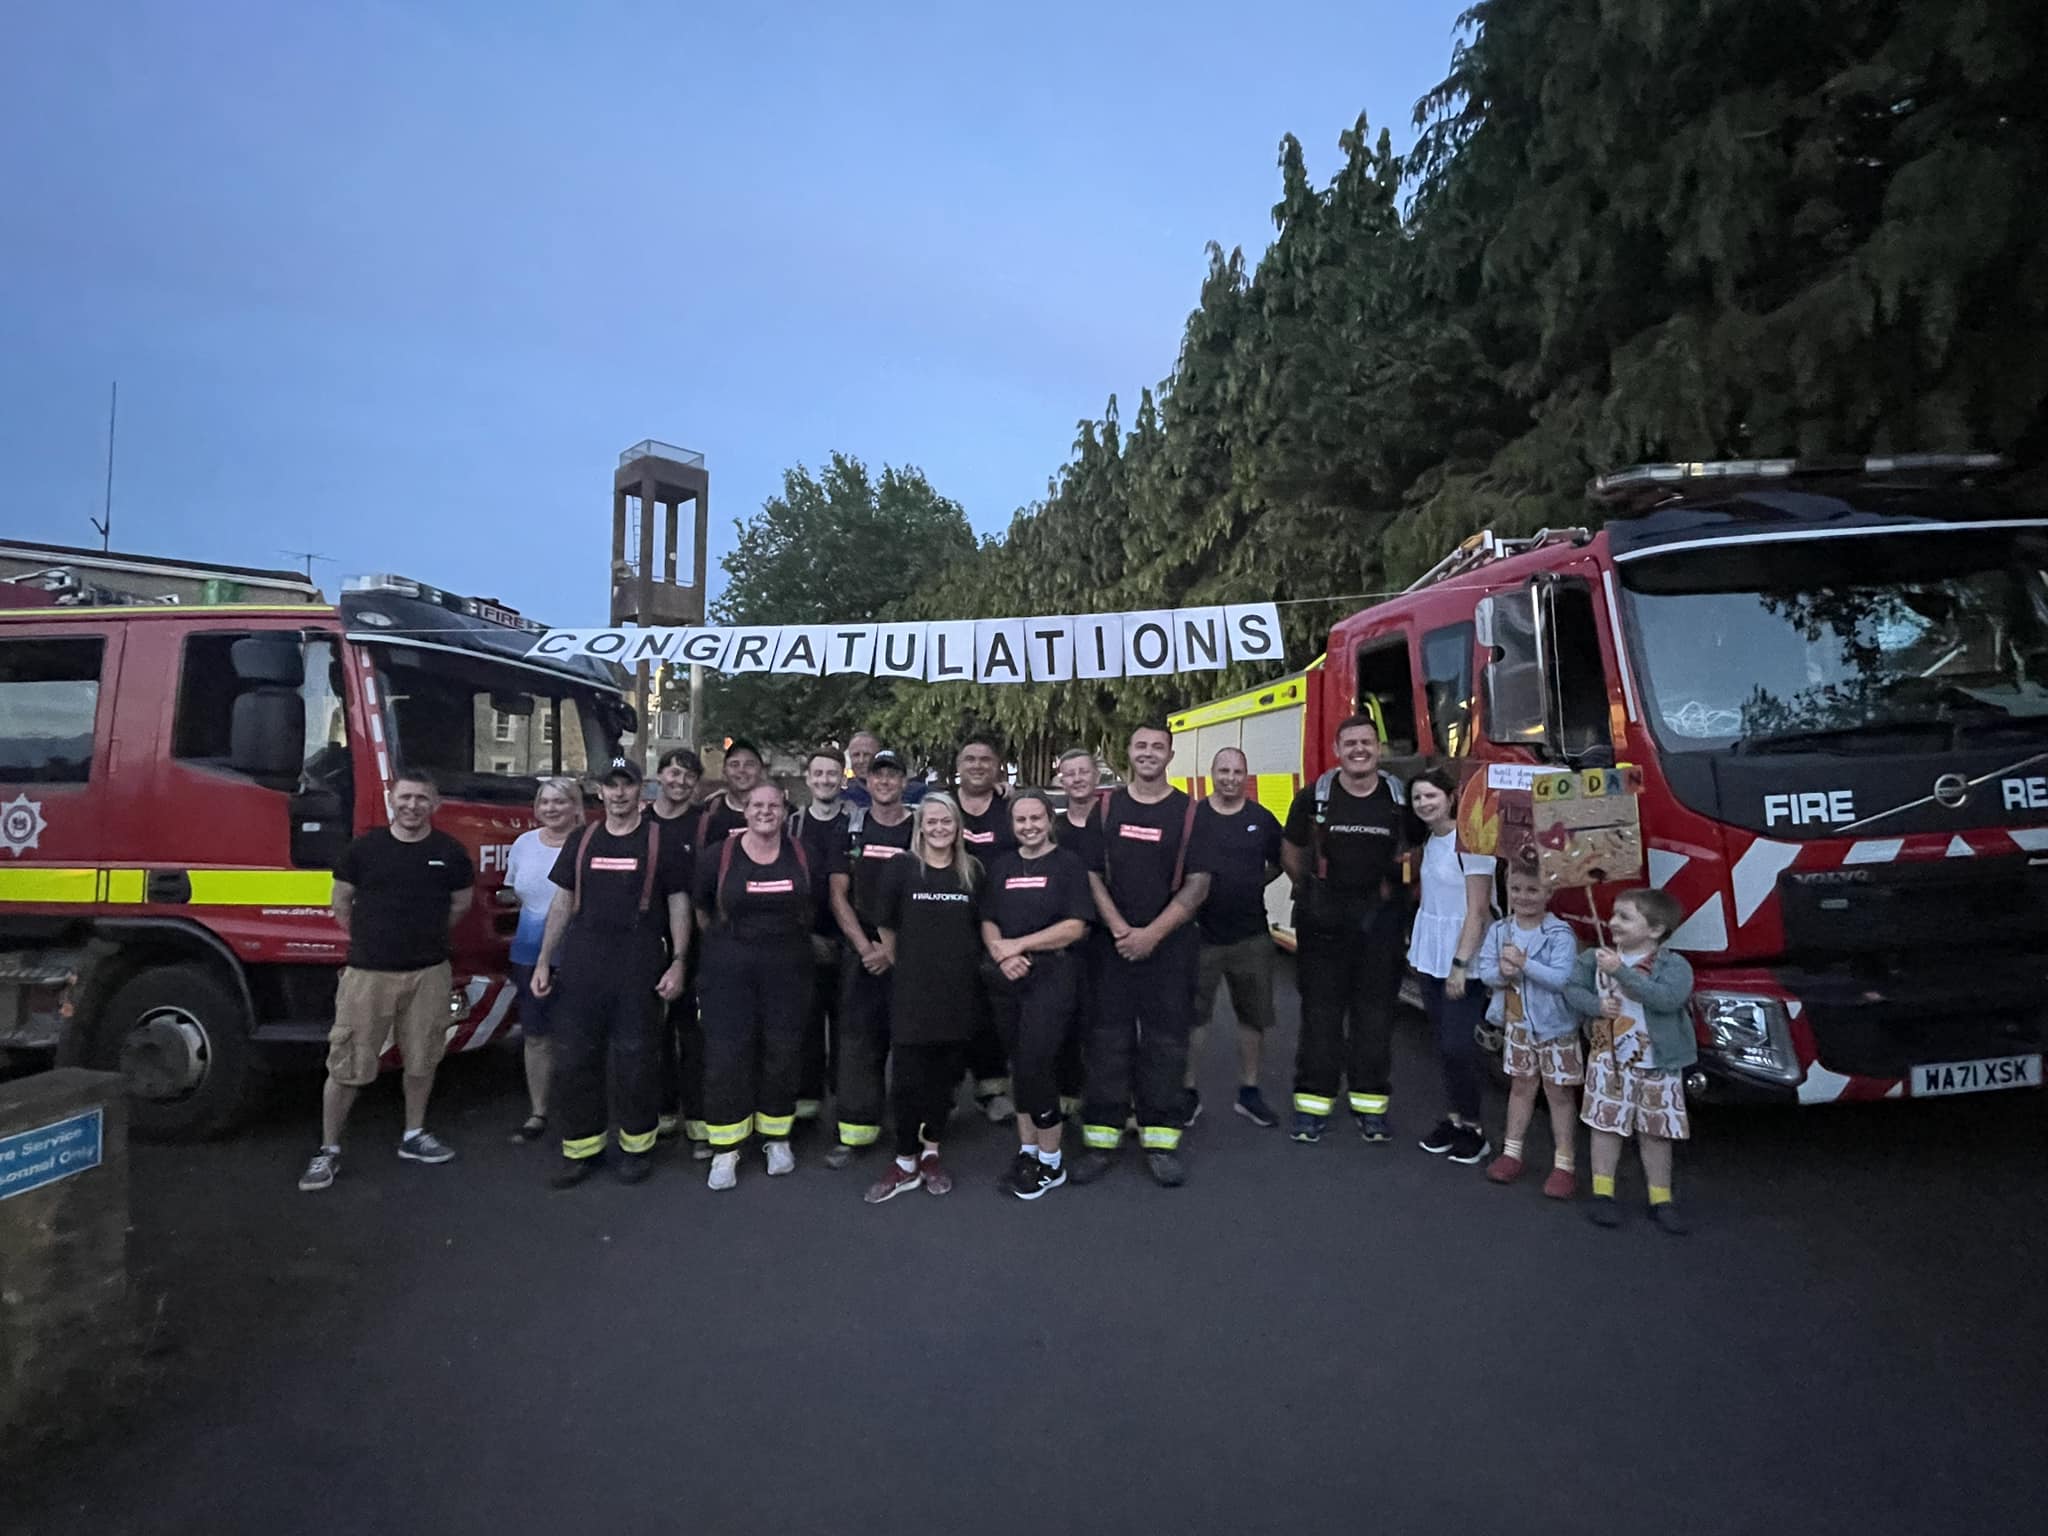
723, 968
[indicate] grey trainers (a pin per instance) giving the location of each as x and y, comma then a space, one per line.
321, 1171
423, 1148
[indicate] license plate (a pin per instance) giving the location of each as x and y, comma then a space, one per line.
1983, 1076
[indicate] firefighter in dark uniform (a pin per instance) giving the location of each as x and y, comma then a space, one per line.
1342, 848
682, 1043
985, 829
753, 895
821, 828
1147, 894
876, 834
620, 921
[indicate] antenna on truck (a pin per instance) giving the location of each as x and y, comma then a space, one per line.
104, 523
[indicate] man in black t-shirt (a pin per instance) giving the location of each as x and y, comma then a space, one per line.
1345, 835
620, 927
681, 1038
725, 815
985, 828
397, 892
1239, 841
877, 834
822, 830
1148, 886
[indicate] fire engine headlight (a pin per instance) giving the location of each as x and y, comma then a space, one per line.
458, 1005
1752, 1035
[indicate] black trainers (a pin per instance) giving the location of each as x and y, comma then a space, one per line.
1190, 1107
1028, 1183
1253, 1106
1667, 1219
1442, 1137
1373, 1128
1469, 1145
1602, 1211
572, 1171
634, 1167
1167, 1170
1089, 1166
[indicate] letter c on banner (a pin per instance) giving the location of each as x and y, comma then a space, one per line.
558, 642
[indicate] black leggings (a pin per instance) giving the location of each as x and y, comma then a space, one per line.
1034, 1016
923, 1079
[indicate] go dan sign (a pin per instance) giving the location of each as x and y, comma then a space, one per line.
1048, 650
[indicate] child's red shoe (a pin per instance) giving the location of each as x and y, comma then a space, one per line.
1563, 1184
1504, 1169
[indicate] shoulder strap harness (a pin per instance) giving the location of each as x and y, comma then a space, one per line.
653, 825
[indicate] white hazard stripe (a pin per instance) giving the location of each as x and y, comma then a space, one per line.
1874, 850
500, 1006
1756, 874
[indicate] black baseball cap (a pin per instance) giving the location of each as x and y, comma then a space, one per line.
886, 759
622, 768
741, 744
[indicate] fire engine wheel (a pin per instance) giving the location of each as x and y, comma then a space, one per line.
181, 1039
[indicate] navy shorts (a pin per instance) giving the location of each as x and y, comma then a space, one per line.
533, 1011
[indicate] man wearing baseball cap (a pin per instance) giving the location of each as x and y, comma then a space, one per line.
621, 889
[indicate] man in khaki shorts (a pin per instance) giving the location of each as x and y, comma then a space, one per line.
397, 892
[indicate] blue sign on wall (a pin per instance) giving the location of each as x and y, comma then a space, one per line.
31, 1159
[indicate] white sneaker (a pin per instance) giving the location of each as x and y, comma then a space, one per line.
725, 1171
780, 1159
1001, 1109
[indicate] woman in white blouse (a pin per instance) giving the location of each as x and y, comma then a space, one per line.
1457, 903
559, 807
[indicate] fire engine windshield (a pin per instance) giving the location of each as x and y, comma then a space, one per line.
1908, 639
487, 730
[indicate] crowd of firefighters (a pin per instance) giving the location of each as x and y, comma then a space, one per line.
724, 968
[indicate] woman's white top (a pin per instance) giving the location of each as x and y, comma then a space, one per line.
527, 868
1433, 943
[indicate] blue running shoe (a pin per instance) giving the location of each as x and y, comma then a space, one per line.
1308, 1128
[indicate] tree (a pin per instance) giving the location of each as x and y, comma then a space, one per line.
838, 546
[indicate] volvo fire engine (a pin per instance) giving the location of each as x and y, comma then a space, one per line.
177, 781
1834, 678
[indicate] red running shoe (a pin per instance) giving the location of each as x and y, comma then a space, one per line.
1504, 1169
936, 1180
1563, 1184
894, 1181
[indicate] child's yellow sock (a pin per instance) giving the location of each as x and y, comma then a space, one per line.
1660, 1194
1603, 1186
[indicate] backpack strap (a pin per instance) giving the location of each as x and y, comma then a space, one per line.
582, 855
1187, 833
1319, 836
653, 859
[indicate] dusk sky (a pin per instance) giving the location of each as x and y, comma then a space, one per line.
396, 282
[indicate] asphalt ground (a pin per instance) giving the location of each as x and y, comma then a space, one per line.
1329, 1338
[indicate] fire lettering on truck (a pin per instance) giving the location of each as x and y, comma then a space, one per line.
493, 856
2024, 794
1824, 806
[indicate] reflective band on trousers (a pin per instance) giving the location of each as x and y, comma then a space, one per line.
1368, 1104
728, 1135
774, 1125
858, 1135
1159, 1138
1069, 1106
696, 1130
577, 1148
807, 1109
643, 1142
1103, 1138
1313, 1104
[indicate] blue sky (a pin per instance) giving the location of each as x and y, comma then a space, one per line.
397, 282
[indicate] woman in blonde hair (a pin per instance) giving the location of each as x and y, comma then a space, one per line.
559, 806
930, 926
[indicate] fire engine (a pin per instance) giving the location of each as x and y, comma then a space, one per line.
177, 781
1833, 676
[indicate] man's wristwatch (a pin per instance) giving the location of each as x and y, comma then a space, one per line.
1457, 965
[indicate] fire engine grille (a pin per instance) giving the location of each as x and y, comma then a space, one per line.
1883, 909
1880, 1025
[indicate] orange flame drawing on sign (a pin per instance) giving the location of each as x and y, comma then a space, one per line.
1478, 816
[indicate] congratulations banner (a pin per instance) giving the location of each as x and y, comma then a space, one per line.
1050, 650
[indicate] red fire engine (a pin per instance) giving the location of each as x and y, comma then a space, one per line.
176, 782
1834, 678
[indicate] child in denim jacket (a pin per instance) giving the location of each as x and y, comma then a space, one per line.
1525, 961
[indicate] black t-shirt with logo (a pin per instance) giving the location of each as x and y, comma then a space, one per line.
1141, 844
756, 903
1026, 896
988, 834
399, 921
615, 874
1362, 836
715, 822
1237, 850
936, 980
864, 857
823, 838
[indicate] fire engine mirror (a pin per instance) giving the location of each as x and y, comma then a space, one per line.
1511, 689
